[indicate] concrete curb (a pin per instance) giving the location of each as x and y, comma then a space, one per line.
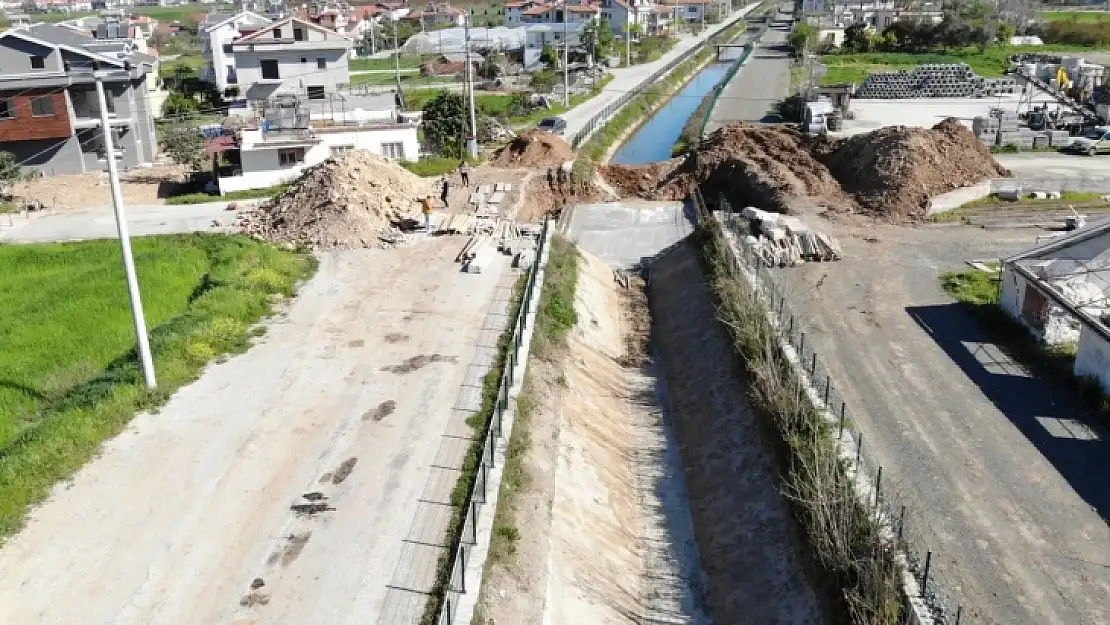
479, 553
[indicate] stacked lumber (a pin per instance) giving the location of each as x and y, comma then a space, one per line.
782, 241
492, 236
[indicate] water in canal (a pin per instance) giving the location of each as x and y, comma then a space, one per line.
654, 139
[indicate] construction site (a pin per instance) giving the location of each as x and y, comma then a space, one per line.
517, 398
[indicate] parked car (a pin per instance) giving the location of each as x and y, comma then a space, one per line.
1094, 141
554, 125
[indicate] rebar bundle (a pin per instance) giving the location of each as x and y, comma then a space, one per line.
930, 80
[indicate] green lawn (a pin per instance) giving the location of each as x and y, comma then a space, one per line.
990, 63
1025, 202
407, 79
190, 62
1076, 16
68, 373
406, 62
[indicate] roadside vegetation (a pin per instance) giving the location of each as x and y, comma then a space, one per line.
246, 194
856, 561
69, 376
1027, 202
979, 292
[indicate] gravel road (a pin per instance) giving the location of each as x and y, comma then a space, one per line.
347, 399
1004, 478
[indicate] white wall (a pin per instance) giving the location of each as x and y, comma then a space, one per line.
295, 76
1093, 357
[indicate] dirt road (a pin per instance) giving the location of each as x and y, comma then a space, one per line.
1005, 482
295, 468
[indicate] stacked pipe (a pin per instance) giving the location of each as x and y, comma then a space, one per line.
933, 80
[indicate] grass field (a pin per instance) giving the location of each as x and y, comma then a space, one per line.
408, 79
1075, 16
991, 63
68, 373
406, 62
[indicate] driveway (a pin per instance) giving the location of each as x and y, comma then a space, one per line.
306, 481
1003, 472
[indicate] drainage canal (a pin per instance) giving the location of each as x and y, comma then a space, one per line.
654, 140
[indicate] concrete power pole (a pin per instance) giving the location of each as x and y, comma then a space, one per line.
396, 59
566, 56
124, 236
472, 140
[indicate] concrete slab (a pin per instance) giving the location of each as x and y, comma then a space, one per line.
624, 233
923, 112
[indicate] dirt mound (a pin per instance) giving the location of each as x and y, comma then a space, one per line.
894, 170
344, 202
550, 194
890, 172
534, 148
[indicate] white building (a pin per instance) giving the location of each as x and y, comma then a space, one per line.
218, 31
1059, 291
274, 157
551, 14
292, 57
690, 10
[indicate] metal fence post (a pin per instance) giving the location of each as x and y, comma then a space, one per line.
473, 522
828, 385
901, 522
859, 449
840, 434
878, 485
959, 613
813, 367
925, 574
462, 568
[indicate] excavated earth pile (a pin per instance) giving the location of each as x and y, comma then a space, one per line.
344, 202
890, 172
534, 148
893, 171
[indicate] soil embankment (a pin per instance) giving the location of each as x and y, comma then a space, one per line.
751, 549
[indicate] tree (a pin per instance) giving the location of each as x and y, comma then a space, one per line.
178, 104
445, 123
1005, 33
549, 56
802, 37
543, 82
184, 144
606, 40
10, 171
856, 38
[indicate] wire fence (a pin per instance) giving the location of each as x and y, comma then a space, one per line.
909, 524
480, 492
602, 117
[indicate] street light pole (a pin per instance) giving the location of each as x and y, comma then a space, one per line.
124, 236
472, 140
566, 56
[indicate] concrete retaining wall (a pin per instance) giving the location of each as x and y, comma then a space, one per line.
958, 197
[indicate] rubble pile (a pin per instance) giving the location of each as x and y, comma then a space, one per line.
533, 148
890, 172
352, 200
893, 171
782, 241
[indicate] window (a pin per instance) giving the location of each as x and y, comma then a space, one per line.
7, 110
38, 62
277, 33
316, 92
298, 34
269, 69
393, 150
290, 157
321, 63
42, 106
304, 60
336, 150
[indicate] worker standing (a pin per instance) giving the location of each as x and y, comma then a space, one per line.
464, 173
445, 192
426, 208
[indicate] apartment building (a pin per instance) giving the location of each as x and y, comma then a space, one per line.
437, 15
292, 57
218, 31
49, 111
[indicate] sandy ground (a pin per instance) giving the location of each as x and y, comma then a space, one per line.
75, 191
751, 548
1013, 507
583, 519
299, 463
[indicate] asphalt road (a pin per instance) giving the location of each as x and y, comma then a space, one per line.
1003, 473
752, 94
100, 223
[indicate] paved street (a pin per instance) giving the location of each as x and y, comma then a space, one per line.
752, 94
100, 223
626, 79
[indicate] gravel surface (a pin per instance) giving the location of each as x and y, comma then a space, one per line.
1004, 481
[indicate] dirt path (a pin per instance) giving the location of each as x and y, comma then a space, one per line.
300, 463
1012, 505
750, 546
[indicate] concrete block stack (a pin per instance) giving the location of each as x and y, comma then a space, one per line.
1058, 138
933, 80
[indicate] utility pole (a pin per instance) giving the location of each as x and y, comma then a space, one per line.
566, 56
396, 58
124, 236
472, 140
628, 39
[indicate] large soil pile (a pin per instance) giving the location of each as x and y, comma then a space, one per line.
894, 171
344, 202
534, 148
890, 172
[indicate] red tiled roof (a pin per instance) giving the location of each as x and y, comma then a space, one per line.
537, 10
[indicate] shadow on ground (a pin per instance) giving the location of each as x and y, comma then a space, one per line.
1045, 411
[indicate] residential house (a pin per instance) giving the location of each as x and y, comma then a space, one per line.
514, 11
286, 140
437, 15
623, 13
49, 111
218, 31
689, 10
553, 14
292, 57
